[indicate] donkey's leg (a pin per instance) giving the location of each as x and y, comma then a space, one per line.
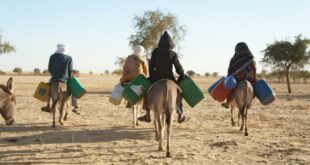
169, 129
137, 114
66, 114
242, 118
246, 122
160, 129
54, 111
62, 104
239, 115
134, 110
156, 128
232, 115
163, 122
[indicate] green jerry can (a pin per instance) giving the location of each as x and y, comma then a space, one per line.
190, 91
136, 89
76, 88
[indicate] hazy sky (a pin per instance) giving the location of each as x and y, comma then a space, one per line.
97, 31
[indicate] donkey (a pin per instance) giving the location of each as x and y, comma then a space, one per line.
163, 98
59, 93
7, 102
241, 97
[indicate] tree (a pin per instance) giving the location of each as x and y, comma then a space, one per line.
151, 25
107, 72
191, 73
117, 72
305, 75
120, 61
46, 72
215, 74
207, 74
5, 47
18, 70
284, 55
36, 71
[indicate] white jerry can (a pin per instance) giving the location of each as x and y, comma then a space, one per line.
117, 94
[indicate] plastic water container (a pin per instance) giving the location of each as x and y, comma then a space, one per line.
230, 82
264, 92
76, 88
190, 91
136, 89
43, 91
215, 84
117, 94
220, 93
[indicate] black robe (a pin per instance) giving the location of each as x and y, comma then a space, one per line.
162, 60
242, 58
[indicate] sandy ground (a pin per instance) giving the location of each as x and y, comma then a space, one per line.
278, 133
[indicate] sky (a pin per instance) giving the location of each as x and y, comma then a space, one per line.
97, 31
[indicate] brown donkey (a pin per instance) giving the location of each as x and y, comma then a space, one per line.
59, 93
241, 98
163, 98
7, 102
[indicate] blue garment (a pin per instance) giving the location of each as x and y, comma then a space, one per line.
60, 67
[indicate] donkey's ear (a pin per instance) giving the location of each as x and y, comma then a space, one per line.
10, 85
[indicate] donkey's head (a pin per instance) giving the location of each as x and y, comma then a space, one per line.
7, 102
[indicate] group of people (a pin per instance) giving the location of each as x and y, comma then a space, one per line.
163, 59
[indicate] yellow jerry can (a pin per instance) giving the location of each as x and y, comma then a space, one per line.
43, 91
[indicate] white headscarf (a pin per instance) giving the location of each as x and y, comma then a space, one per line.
138, 50
61, 48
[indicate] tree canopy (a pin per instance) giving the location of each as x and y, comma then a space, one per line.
285, 55
151, 25
5, 47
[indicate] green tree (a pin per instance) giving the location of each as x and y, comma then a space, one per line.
215, 74
107, 72
191, 73
117, 72
18, 70
284, 55
36, 71
45, 72
120, 61
151, 25
207, 74
5, 47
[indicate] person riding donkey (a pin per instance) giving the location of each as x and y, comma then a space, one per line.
60, 67
160, 67
242, 65
134, 65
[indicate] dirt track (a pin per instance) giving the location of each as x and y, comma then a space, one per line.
103, 134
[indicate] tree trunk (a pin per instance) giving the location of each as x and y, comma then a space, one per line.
287, 75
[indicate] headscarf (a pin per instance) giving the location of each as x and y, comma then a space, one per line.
241, 58
138, 50
165, 42
61, 48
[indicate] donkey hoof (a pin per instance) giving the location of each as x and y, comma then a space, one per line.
246, 134
65, 118
168, 155
61, 123
53, 126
